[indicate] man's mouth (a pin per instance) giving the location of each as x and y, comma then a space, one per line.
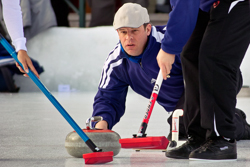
130, 45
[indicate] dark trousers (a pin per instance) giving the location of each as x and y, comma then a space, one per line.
103, 11
61, 10
211, 61
239, 121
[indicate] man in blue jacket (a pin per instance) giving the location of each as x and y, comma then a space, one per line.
216, 35
133, 63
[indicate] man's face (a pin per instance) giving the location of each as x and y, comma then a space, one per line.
134, 40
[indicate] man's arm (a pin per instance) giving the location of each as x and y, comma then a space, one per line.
181, 23
110, 104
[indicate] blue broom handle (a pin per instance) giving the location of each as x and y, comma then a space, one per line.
12, 52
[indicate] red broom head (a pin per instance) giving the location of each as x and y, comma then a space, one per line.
160, 142
98, 157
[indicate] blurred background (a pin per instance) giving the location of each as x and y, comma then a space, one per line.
70, 40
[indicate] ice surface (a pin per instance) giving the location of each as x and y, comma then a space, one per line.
33, 132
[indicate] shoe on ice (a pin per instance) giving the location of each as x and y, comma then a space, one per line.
215, 149
183, 151
246, 135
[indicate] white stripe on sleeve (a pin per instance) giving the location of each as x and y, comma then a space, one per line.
157, 34
110, 71
107, 64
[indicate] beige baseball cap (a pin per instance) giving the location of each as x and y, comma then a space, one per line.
131, 15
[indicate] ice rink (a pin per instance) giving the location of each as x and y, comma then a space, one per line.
33, 131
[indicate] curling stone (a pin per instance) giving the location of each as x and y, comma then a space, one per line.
107, 140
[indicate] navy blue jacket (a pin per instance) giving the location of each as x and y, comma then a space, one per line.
119, 73
181, 23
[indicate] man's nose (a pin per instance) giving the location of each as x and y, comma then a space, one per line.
129, 36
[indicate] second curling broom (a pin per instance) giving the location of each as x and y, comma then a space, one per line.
141, 141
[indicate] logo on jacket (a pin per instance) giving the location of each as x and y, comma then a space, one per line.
153, 80
216, 4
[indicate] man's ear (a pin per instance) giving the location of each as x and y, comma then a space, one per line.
148, 29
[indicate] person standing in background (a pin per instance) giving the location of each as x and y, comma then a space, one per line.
13, 19
103, 11
61, 10
37, 16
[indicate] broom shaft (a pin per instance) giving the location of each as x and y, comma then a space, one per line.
52, 99
152, 100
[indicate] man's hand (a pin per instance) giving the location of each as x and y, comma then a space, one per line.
165, 61
102, 125
26, 62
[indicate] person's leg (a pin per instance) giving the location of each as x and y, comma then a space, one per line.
242, 127
191, 117
61, 10
222, 49
189, 59
102, 12
239, 81
242, 131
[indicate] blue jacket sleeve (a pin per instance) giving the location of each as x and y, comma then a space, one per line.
181, 23
109, 102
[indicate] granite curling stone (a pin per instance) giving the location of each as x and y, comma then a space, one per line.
107, 140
